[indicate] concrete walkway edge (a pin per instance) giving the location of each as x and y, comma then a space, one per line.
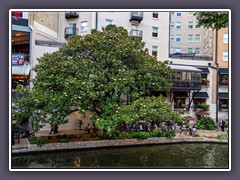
33, 148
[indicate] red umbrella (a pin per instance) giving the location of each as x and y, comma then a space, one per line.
202, 113
189, 118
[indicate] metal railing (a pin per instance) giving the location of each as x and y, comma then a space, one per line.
136, 34
190, 56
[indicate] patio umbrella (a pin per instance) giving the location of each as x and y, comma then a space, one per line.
189, 118
202, 113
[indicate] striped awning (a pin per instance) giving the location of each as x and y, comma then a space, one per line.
20, 70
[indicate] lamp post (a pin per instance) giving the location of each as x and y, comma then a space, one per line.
217, 77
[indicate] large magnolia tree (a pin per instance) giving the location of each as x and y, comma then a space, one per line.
93, 72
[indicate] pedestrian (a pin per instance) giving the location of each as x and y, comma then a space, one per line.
131, 127
79, 124
56, 128
52, 129
87, 128
164, 128
222, 126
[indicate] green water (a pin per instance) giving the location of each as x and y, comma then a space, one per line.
201, 155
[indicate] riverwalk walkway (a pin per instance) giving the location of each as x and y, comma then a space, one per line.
25, 147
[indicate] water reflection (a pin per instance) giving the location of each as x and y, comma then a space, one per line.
158, 156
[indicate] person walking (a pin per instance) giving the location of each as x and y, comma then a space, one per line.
79, 124
87, 128
52, 129
222, 125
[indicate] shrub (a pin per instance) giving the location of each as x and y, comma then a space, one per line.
206, 123
204, 106
141, 135
40, 141
170, 134
125, 135
157, 133
222, 137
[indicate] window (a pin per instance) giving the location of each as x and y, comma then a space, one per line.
178, 38
154, 51
171, 50
197, 38
178, 14
225, 55
172, 25
178, 25
206, 48
84, 26
177, 49
190, 50
172, 38
190, 25
155, 32
197, 51
108, 21
225, 38
155, 15
190, 38
190, 13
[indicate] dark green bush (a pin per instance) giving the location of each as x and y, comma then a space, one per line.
170, 134
141, 135
206, 123
157, 133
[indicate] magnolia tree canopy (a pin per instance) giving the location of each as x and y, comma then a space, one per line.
93, 72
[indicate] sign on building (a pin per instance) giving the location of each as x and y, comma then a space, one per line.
17, 58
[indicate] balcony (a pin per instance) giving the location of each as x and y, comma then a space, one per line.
69, 31
185, 85
69, 15
136, 17
223, 83
190, 56
136, 34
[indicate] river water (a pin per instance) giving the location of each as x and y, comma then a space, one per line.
170, 156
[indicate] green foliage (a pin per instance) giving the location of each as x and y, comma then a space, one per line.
215, 20
222, 137
206, 123
204, 106
141, 135
158, 133
170, 134
126, 135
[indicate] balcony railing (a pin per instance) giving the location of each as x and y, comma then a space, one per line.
190, 56
183, 84
69, 15
136, 16
69, 31
136, 34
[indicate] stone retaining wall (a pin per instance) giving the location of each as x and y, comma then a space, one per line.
31, 148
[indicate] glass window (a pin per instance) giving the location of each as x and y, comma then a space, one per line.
177, 49
190, 13
225, 55
155, 32
178, 75
184, 75
178, 25
225, 38
108, 21
190, 38
172, 25
197, 51
190, 50
172, 38
190, 25
155, 51
155, 15
178, 38
84, 26
197, 38
189, 76
178, 14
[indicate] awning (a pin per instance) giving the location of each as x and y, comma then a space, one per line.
184, 68
180, 95
200, 95
20, 70
204, 70
223, 95
223, 70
